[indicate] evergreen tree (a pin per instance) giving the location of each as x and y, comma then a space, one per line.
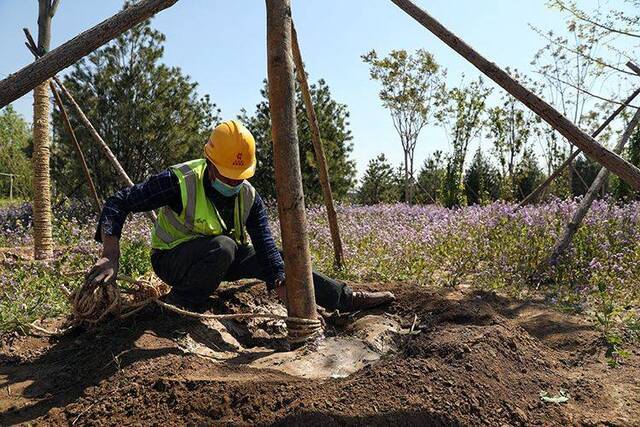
431, 178
148, 113
481, 181
336, 139
380, 183
528, 175
584, 169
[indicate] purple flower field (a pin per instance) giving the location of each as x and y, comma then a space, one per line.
495, 247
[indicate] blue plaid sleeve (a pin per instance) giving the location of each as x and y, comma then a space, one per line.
158, 190
265, 246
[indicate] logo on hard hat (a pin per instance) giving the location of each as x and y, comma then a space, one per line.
238, 161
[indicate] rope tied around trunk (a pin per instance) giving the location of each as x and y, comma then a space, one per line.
93, 304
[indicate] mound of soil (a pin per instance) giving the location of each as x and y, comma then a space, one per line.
476, 358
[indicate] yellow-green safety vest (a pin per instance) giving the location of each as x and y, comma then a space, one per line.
199, 217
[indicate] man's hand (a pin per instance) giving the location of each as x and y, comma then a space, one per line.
104, 271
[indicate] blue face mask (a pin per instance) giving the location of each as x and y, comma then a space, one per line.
226, 189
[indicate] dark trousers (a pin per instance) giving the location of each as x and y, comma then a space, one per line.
194, 270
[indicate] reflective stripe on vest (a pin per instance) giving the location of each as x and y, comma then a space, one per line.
190, 181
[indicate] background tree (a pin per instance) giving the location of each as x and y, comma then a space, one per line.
462, 116
620, 189
528, 175
509, 127
481, 181
411, 86
431, 178
575, 66
380, 183
583, 173
14, 159
42, 232
149, 114
336, 138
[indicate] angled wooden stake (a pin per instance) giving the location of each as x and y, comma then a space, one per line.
21, 82
321, 160
539, 189
124, 177
286, 157
87, 123
573, 225
76, 146
586, 143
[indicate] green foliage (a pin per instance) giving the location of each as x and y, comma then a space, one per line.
584, 171
620, 189
462, 116
510, 127
380, 183
412, 87
527, 175
148, 113
431, 178
14, 143
336, 138
134, 258
481, 181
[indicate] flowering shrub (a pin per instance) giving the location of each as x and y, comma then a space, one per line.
496, 247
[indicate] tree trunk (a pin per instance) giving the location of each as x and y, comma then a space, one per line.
319, 151
534, 194
406, 176
42, 233
591, 148
587, 200
21, 82
286, 157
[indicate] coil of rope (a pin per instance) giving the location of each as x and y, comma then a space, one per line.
93, 304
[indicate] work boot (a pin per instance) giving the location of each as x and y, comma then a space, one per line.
363, 300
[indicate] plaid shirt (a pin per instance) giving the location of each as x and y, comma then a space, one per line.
163, 189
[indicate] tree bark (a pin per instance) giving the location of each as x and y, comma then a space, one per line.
21, 82
591, 148
323, 170
534, 194
42, 232
293, 221
573, 225
76, 146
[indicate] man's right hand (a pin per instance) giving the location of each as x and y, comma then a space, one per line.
104, 271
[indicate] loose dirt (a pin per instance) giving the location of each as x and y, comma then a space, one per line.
475, 358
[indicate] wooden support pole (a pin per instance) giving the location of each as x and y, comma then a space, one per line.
76, 146
534, 194
286, 157
573, 225
591, 148
321, 160
124, 177
21, 82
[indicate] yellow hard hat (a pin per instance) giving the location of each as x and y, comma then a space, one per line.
232, 149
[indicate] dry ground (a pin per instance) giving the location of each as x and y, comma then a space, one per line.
479, 359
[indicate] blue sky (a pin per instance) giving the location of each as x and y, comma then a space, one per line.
221, 45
